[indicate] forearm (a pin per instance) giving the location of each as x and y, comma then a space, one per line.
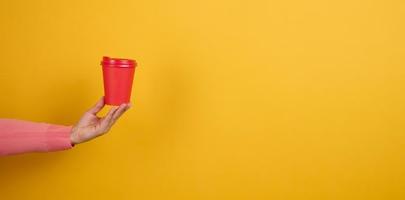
17, 136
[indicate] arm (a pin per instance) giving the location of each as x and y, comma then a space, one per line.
18, 136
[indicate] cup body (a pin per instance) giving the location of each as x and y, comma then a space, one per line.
118, 75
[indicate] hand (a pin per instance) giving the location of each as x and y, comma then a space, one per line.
91, 126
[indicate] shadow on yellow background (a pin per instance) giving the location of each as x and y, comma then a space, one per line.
232, 99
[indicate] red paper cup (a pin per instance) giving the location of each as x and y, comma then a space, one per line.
118, 75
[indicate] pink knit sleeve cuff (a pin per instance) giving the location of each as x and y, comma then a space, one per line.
57, 137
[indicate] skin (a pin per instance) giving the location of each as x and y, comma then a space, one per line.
91, 126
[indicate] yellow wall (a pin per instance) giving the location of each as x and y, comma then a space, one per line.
258, 99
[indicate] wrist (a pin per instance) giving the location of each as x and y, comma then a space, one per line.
73, 136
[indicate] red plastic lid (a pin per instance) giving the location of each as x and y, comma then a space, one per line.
118, 62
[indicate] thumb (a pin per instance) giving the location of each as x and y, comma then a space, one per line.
97, 107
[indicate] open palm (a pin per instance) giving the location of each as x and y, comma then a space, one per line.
91, 126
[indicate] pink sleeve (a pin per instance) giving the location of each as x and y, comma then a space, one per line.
17, 136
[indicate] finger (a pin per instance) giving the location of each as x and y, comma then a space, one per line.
121, 110
96, 108
106, 121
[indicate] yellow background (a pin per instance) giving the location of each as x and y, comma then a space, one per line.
232, 99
